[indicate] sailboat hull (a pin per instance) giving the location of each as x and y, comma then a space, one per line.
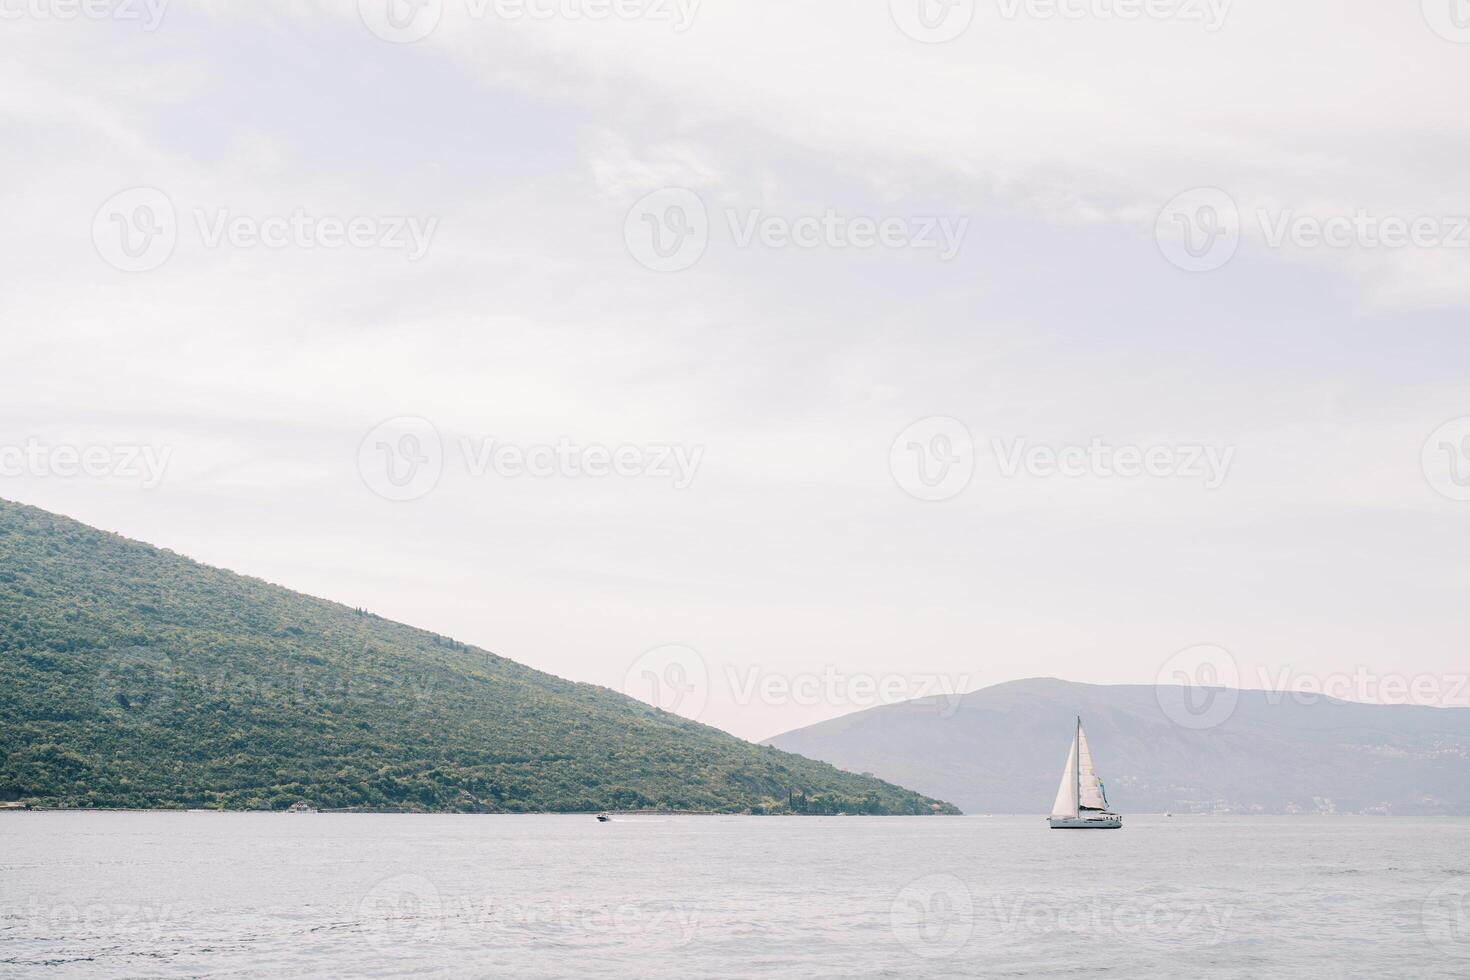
1109, 821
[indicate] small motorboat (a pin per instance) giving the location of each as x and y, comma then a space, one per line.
604, 818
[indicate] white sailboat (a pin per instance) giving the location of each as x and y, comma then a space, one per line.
1082, 803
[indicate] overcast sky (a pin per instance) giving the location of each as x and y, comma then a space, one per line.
832, 352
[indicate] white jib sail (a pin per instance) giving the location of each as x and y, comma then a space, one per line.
1089, 786
1066, 802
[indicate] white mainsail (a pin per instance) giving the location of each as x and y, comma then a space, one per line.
1089, 786
1081, 789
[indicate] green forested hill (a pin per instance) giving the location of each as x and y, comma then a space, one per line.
133, 677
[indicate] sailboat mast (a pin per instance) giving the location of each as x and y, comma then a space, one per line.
1077, 767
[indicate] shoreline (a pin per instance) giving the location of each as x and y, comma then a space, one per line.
711, 813
459, 813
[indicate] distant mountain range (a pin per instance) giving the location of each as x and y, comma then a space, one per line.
133, 677
1003, 749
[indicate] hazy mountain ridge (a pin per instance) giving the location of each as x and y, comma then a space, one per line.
133, 677
1002, 751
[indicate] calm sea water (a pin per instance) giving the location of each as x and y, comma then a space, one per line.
234, 895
